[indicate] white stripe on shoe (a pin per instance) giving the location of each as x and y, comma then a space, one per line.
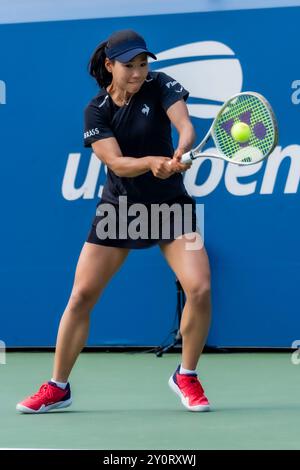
43, 408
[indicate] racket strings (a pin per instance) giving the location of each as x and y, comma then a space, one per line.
251, 110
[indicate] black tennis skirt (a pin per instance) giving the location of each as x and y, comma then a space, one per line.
134, 226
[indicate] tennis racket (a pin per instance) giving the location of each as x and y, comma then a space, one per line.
259, 127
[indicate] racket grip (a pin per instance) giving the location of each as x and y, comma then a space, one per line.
187, 157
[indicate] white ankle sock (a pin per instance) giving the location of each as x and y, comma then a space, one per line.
186, 371
60, 384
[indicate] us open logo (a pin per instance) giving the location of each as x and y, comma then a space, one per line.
208, 69
212, 73
2, 92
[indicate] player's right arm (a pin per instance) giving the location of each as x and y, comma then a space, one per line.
109, 152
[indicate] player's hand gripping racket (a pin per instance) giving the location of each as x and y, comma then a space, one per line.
244, 131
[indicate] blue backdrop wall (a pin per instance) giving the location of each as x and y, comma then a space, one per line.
50, 183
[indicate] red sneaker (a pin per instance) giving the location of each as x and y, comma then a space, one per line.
190, 390
49, 397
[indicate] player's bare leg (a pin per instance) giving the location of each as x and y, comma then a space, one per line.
96, 266
192, 270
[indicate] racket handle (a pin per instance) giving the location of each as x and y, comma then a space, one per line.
187, 157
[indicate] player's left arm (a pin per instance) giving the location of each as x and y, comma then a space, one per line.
179, 117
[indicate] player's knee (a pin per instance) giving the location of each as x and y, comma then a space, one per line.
82, 299
199, 294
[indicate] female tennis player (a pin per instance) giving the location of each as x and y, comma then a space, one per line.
128, 126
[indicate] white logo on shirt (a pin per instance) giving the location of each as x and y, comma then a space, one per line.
171, 84
103, 102
91, 132
145, 109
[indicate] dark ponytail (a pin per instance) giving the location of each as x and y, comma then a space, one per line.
97, 68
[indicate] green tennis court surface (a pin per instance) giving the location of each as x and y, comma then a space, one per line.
122, 401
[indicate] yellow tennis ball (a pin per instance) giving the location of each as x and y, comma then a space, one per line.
240, 132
